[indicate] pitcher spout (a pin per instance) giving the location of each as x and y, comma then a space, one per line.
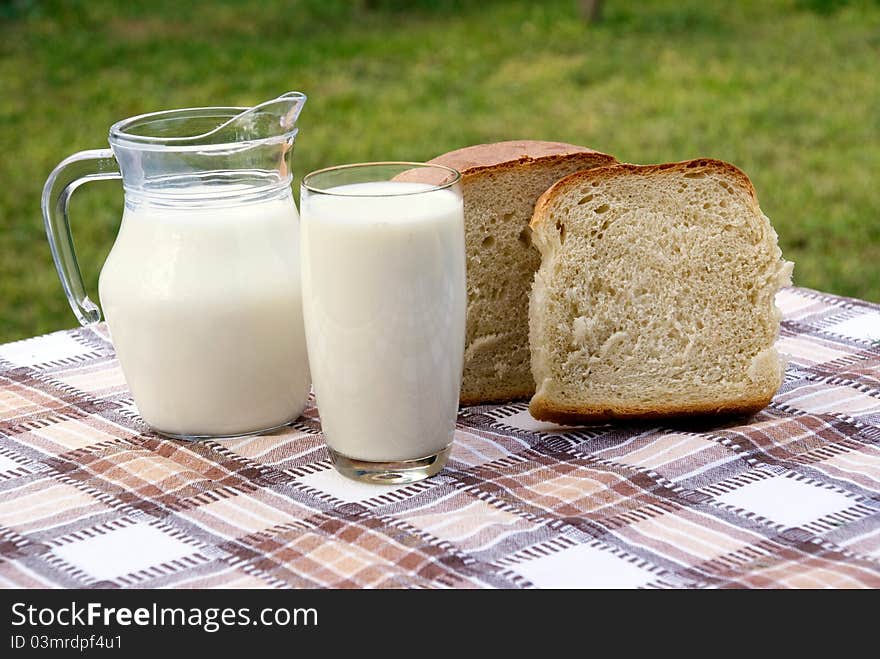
287, 107
269, 119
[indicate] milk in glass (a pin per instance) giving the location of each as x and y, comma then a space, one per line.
384, 301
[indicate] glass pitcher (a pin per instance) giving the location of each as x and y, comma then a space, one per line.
201, 291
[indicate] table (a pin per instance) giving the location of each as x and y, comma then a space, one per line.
788, 498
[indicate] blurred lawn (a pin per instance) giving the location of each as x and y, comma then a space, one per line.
789, 93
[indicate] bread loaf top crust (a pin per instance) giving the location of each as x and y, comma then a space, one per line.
481, 158
608, 172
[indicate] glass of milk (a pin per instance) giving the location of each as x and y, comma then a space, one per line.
201, 290
383, 276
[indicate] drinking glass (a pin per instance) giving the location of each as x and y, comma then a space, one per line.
384, 299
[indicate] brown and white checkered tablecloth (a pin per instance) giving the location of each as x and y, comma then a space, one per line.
790, 497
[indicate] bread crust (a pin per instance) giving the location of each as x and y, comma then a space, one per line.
487, 158
609, 172
499, 395
544, 410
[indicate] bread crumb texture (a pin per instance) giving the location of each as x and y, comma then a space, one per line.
501, 183
655, 294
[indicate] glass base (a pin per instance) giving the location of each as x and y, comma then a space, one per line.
195, 438
390, 473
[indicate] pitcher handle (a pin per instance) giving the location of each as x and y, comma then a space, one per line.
72, 172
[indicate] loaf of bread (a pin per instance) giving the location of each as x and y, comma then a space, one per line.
655, 295
501, 183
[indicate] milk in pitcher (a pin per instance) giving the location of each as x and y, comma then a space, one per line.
202, 299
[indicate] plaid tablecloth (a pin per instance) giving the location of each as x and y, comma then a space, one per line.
791, 497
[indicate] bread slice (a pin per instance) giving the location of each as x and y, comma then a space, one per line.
655, 295
501, 183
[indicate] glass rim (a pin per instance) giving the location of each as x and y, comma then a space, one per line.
119, 134
456, 178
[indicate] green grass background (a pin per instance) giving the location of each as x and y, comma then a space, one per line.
789, 90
